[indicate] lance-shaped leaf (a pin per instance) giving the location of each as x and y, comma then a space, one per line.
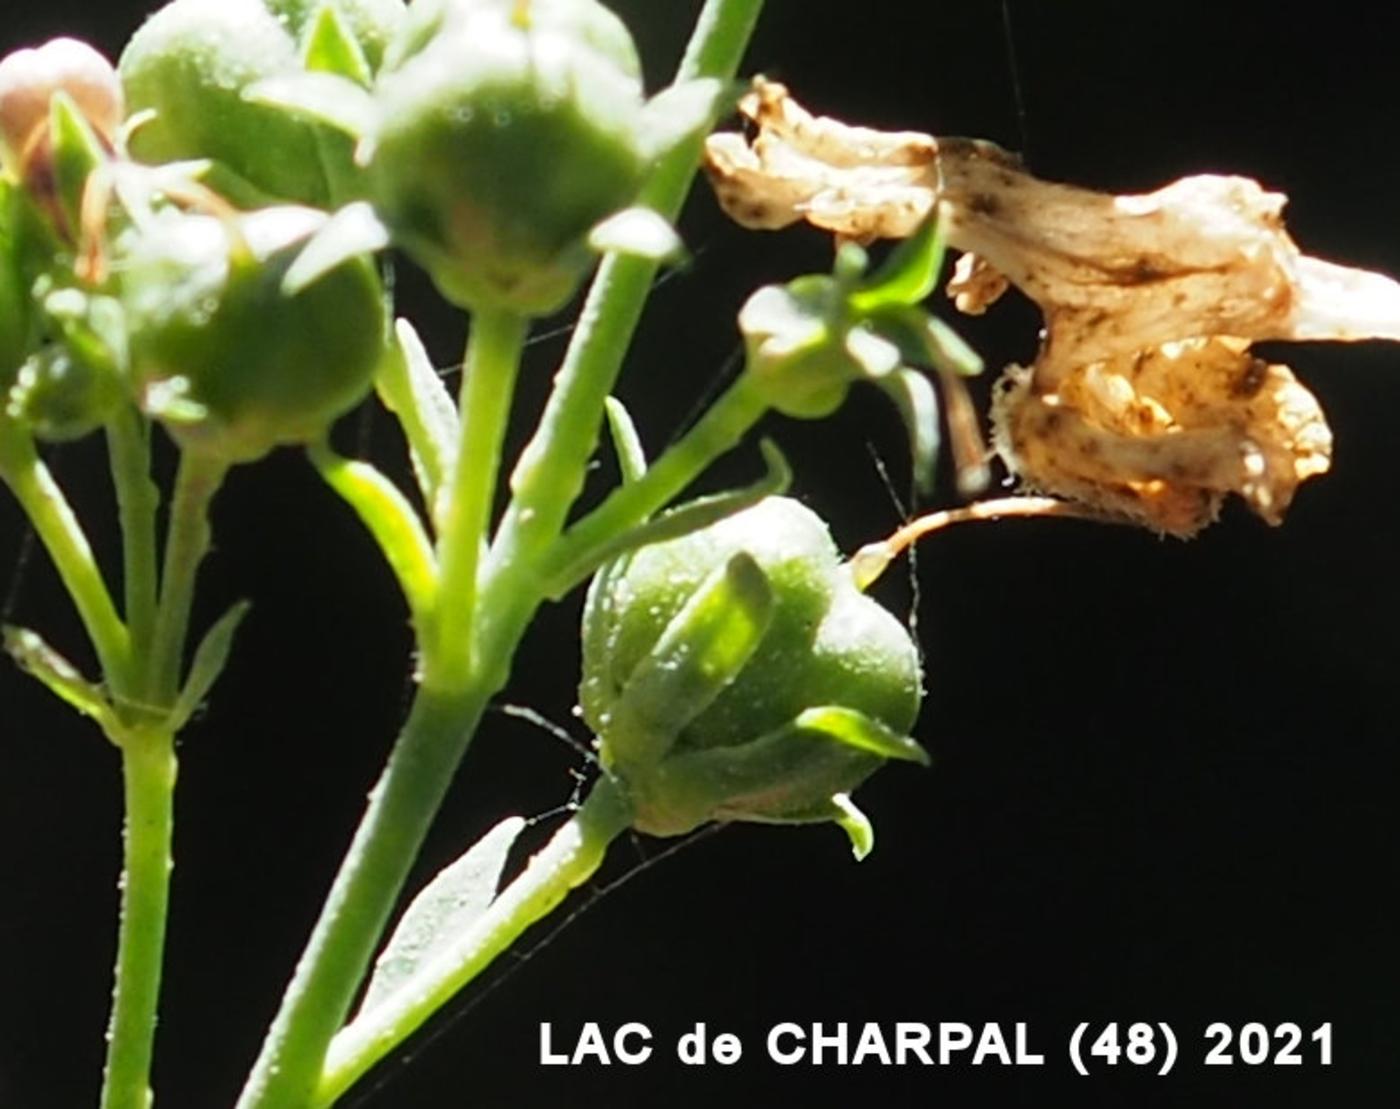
445, 908
701, 651
210, 657
37, 659
409, 385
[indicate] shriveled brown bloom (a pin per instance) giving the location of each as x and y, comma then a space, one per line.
1144, 400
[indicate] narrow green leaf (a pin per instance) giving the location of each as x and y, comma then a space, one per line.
411, 388
331, 48
631, 456
908, 276
326, 97
210, 658
442, 911
701, 651
351, 232
917, 401
672, 524
37, 659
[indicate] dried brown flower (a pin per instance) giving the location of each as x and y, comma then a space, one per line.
1144, 400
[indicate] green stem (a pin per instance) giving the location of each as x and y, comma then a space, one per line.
186, 544
401, 808
58, 529
717, 432
566, 862
489, 370
550, 474
148, 765
138, 499
456, 684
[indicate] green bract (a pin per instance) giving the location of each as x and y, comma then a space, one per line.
738, 674
504, 132
193, 61
231, 362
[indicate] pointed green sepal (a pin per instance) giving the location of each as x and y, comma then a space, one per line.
702, 649
847, 815
350, 232
77, 151
683, 112
908, 276
860, 732
917, 401
324, 97
639, 232
330, 47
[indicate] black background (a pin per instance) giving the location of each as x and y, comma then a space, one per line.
1166, 772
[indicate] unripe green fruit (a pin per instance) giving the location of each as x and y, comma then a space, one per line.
191, 63
232, 363
60, 397
501, 144
825, 645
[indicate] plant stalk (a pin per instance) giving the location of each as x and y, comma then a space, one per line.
148, 768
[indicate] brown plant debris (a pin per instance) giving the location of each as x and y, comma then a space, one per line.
1144, 400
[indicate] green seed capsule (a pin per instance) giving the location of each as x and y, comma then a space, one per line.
232, 363
191, 64
506, 131
60, 397
737, 673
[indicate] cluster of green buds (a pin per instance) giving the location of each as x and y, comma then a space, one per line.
738, 673
501, 142
122, 284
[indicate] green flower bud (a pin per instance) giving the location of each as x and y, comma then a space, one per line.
60, 396
737, 673
191, 63
506, 130
230, 361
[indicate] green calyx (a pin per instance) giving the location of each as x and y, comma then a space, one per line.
192, 63
223, 354
738, 674
505, 132
810, 340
